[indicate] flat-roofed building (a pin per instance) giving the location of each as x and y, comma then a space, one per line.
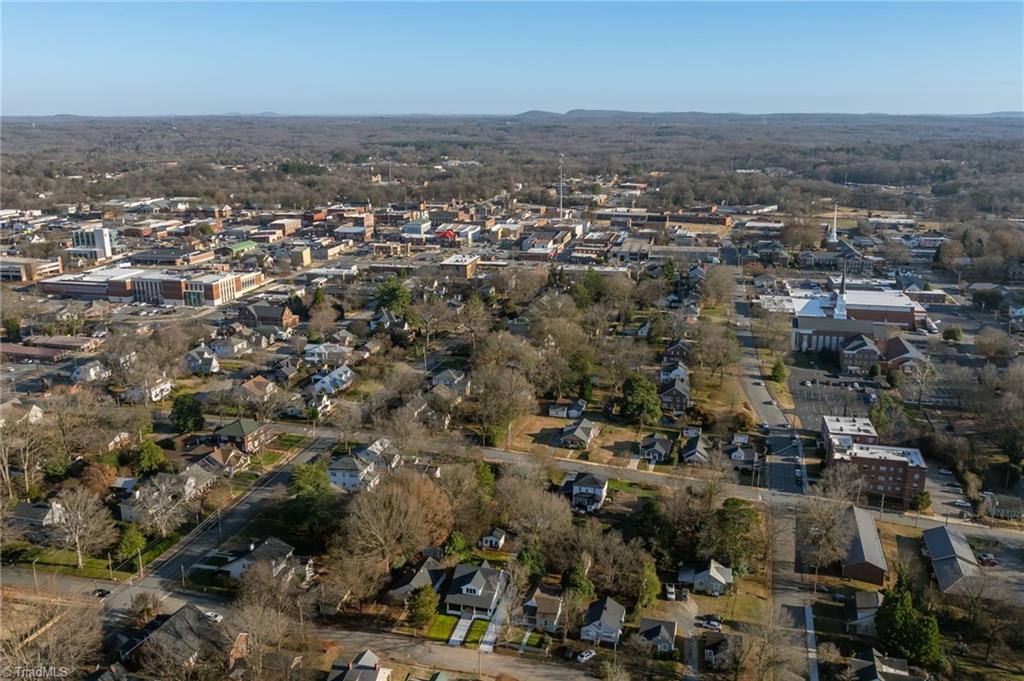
170, 257
860, 430
159, 287
28, 269
895, 472
460, 266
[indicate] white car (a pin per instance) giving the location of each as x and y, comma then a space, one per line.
213, 616
713, 625
586, 656
962, 503
945, 471
670, 592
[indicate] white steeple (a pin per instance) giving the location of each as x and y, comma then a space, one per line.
833, 234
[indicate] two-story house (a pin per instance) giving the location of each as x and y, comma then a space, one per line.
587, 492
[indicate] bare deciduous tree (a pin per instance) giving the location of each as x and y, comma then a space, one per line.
85, 525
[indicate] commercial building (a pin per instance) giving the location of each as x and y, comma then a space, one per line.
170, 257
893, 472
28, 269
96, 243
460, 266
857, 429
158, 287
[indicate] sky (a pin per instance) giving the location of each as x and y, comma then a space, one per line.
495, 58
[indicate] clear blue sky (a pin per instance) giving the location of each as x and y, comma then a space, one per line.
138, 58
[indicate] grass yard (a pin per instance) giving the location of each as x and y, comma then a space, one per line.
631, 488
48, 559
441, 628
288, 441
748, 602
491, 556
533, 640
476, 633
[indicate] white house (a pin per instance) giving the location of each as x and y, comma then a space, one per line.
352, 474
715, 580
152, 392
494, 539
587, 491
603, 621
272, 551
332, 382
90, 372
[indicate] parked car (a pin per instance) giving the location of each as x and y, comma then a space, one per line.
710, 617
841, 598
758, 382
713, 625
798, 472
586, 655
101, 593
962, 503
670, 592
986, 556
945, 471
213, 616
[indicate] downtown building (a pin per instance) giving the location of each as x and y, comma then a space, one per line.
157, 287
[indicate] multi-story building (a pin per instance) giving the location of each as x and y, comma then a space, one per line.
460, 266
858, 429
893, 472
28, 269
95, 243
158, 287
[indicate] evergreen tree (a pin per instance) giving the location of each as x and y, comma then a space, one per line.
575, 579
640, 401
132, 541
150, 458
423, 606
187, 413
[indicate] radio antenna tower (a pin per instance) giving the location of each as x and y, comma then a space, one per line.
561, 186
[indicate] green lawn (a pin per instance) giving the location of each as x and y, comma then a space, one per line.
287, 441
49, 559
476, 633
533, 640
441, 628
631, 488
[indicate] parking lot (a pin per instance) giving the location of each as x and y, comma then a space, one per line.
944, 490
820, 399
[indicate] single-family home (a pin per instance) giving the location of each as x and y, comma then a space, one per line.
713, 580
382, 453
678, 349
328, 354
474, 590
90, 372
871, 665
586, 491
429, 573
675, 396
744, 458
386, 320
859, 613
181, 638
202, 361
672, 369
232, 346
579, 435
226, 460
558, 410
150, 391
257, 389
542, 608
661, 634
450, 378
365, 667
603, 622
352, 474
656, 448
864, 559
333, 381
34, 518
695, 449
245, 434
494, 539
273, 552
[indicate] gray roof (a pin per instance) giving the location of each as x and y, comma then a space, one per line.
657, 441
654, 629
272, 550
584, 479
486, 579
583, 429
183, 634
865, 545
871, 665
695, 448
952, 557
430, 573
608, 612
